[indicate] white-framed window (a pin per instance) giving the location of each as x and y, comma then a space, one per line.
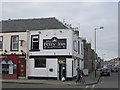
14, 42
40, 62
34, 42
78, 47
75, 45
1, 43
82, 49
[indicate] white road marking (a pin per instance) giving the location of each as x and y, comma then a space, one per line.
87, 87
93, 86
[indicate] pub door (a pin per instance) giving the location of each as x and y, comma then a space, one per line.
62, 68
21, 68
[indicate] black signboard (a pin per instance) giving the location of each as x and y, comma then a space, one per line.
54, 43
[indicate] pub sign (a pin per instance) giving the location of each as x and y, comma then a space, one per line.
54, 43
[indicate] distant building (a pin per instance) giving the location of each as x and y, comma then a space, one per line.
114, 62
89, 56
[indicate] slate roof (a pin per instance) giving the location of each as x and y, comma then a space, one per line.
21, 25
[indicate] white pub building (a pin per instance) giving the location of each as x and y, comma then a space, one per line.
54, 53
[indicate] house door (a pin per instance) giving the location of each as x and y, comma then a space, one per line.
21, 68
62, 68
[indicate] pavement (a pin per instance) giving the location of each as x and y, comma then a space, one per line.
89, 80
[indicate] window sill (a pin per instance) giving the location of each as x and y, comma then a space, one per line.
34, 50
14, 50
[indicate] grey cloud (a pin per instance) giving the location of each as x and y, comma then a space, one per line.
86, 15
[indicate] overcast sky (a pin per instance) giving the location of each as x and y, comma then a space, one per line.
86, 15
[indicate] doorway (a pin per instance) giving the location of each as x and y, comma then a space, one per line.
62, 68
21, 68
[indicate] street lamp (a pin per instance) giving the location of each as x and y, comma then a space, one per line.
95, 46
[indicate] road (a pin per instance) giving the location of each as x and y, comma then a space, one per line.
105, 82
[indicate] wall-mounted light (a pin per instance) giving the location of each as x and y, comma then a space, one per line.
5, 51
23, 53
69, 53
60, 31
21, 50
39, 32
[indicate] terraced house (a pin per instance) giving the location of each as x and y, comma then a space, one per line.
13, 43
40, 48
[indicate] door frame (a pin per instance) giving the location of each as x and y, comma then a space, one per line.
61, 64
24, 69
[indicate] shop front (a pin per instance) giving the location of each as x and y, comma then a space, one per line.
13, 66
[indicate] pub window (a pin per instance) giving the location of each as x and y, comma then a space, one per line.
78, 47
10, 63
34, 42
40, 62
75, 45
1, 43
82, 49
14, 42
5, 69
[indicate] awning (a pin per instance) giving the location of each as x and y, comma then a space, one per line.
10, 62
3, 62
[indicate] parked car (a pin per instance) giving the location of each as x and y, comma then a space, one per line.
114, 69
105, 71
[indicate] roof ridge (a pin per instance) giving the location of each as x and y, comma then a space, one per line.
29, 19
32, 24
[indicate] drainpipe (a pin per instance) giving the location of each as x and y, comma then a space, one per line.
27, 54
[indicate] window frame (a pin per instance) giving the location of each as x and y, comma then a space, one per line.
78, 47
37, 63
32, 36
1, 43
11, 49
5, 70
75, 45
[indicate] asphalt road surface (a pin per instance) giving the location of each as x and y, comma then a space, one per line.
105, 82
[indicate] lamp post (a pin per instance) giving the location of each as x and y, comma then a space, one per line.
95, 47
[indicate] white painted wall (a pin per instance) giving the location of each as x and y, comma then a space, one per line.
81, 64
81, 49
74, 67
36, 72
75, 37
43, 72
48, 34
52, 63
69, 67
